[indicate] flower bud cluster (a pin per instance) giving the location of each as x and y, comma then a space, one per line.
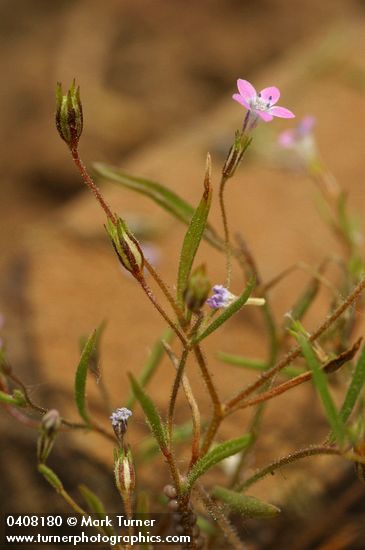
183, 518
124, 473
49, 428
126, 246
197, 290
69, 117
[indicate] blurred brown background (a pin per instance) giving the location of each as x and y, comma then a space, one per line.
156, 80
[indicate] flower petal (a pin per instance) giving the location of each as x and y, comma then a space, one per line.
286, 139
281, 112
265, 115
246, 89
272, 92
241, 100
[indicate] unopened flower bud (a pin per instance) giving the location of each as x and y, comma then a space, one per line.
119, 419
126, 246
69, 118
235, 154
170, 491
197, 290
125, 478
50, 425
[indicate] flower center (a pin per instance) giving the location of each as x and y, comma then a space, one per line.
259, 103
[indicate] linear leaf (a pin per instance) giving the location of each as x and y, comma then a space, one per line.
95, 506
163, 196
92, 500
248, 506
356, 385
254, 364
151, 412
193, 236
227, 313
81, 375
216, 455
51, 477
320, 382
150, 448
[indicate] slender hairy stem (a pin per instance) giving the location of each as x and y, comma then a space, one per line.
210, 433
217, 406
195, 413
273, 392
226, 231
91, 185
167, 293
175, 389
302, 453
250, 269
64, 422
174, 471
152, 298
296, 351
208, 380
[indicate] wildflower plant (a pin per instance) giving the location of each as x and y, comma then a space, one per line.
196, 312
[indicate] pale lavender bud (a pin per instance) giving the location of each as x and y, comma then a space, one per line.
119, 419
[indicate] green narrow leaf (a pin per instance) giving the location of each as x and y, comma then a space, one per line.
151, 413
216, 455
92, 500
95, 506
163, 196
255, 364
356, 385
227, 313
81, 375
193, 236
94, 357
150, 448
51, 477
248, 506
320, 382
239, 361
153, 361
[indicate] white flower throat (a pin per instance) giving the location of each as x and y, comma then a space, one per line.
260, 104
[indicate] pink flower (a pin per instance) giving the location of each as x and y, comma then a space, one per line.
262, 103
300, 140
289, 139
